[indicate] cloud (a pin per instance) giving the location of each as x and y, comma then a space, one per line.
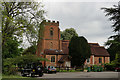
86, 17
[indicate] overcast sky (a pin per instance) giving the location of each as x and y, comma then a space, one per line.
86, 18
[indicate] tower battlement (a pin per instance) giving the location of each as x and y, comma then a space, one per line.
50, 22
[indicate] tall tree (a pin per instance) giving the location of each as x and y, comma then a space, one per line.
11, 49
21, 19
30, 50
79, 50
67, 34
114, 41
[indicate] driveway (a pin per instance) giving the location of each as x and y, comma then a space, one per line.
82, 75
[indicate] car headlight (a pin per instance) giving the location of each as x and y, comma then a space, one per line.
39, 68
33, 70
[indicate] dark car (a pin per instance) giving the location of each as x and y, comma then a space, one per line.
32, 69
117, 69
49, 69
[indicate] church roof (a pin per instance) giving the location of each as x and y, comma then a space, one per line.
63, 58
98, 50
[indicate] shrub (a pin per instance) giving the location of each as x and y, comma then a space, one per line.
9, 64
9, 67
109, 67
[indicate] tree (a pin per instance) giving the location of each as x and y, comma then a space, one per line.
10, 50
30, 50
67, 34
114, 41
9, 66
21, 19
79, 50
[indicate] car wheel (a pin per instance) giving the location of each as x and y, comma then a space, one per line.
23, 75
47, 71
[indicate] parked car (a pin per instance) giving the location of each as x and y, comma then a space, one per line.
49, 69
117, 69
32, 69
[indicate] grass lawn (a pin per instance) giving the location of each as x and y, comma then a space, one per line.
17, 77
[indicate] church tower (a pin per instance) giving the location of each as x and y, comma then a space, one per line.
49, 36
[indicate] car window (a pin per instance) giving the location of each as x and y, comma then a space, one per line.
52, 67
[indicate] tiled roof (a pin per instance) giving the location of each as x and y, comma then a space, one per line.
99, 50
53, 52
93, 44
64, 57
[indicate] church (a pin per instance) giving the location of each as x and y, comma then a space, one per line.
51, 47
56, 51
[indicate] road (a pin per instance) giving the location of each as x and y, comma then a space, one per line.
82, 75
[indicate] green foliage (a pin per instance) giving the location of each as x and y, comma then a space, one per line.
11, 49
114, 41
9, 64
79, 50
112, 50
67, 34
109, 67
22, 60
115, 63
30, 50
20, 19
114, 14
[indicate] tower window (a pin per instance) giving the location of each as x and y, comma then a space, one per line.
51, 31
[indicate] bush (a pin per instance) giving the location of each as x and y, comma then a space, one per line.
9, 64
8, 67
109, 67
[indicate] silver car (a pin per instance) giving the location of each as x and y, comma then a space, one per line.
51, 69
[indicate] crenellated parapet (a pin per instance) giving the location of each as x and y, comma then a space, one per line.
49, 22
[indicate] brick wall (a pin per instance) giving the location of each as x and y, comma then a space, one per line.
49, 63
107, 59
96, 60
55, 32
48, 39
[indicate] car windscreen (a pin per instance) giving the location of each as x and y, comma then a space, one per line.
52, 67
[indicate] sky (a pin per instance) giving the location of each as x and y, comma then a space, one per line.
86, 18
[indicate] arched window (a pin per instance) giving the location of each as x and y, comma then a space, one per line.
51, 31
